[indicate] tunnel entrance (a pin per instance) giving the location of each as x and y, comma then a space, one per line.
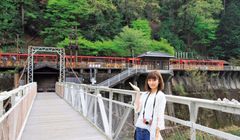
46, 78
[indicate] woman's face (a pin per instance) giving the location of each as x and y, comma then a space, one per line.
153, 83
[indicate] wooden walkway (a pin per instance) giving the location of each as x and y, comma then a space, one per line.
51, 118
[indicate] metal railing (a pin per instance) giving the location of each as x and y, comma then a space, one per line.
121, 76
103, 112
15, 106
232, 68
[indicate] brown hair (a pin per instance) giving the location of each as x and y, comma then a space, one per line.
154, 75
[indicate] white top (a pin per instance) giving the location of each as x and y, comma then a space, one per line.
158, 116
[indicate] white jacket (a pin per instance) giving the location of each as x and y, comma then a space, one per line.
158, 116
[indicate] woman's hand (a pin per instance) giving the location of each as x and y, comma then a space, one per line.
157, 133
134, 87
137, 104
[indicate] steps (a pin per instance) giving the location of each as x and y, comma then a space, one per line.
121, 76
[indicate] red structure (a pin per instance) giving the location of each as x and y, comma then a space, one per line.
14, 59
190, 64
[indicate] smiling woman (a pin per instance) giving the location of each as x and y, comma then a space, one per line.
150, 106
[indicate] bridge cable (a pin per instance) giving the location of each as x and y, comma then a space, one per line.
25, 64
74, 72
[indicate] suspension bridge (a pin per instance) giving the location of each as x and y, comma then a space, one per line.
90, 112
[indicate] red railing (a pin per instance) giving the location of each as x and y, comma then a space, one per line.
14, 59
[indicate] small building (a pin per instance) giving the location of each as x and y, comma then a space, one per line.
156, 60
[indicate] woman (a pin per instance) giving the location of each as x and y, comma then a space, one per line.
151, 105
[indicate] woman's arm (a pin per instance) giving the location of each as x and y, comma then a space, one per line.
137, 103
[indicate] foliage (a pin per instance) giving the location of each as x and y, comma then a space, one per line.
104, 22
173, 39
130, 9
152, 10
234, 61
10, 26
198, 23
132, 40
108, 48
97, 20
229, 30
97, 48
143, 26
162, 46
235, 130
62, 18
179, 89
198, 80
33, 16
186, 25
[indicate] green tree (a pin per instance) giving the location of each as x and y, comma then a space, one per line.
168, 31
132, 40
108, 48
130, 9
170, 25
229, 30
152, 10
104, 22
142, 25
98, 20
10, 26
62, 19
161, 45
33, 17
198, 22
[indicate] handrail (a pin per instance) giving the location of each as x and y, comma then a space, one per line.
13, 119
85, 99
113, 80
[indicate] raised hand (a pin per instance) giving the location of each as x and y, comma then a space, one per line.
134, 87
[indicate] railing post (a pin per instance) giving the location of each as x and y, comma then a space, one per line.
95, 106
71, 94
83, 101
1, 108
104, 115
110, 112
65, 91
13, 99
193, 111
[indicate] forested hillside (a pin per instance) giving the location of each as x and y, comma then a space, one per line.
123, 27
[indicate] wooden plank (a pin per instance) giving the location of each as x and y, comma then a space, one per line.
52, 118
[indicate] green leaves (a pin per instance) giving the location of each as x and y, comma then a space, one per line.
63, 17
229, 30
142, 25
132, 40
9, 24
126, 27
198, 23
162, 45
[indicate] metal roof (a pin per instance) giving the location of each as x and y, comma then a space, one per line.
156, 54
